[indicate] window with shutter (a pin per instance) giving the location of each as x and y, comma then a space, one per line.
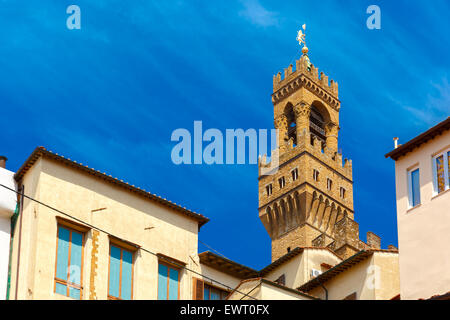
69, 257
197, 289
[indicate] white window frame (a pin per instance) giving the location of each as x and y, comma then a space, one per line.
410, 193
443, 153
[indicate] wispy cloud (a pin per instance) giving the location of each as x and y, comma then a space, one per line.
434, 107
257, 14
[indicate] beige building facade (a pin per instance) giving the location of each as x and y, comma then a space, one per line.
368, 275
423, 212
155, 240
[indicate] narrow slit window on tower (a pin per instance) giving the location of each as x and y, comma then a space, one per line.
316, 175
294, 174
292, 126
282, 182
329, 184
342, 192
269, 190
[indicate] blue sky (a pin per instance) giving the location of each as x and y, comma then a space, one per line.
110, 95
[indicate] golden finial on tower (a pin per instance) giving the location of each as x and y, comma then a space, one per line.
301, 35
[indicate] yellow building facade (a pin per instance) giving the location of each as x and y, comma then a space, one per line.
91, 215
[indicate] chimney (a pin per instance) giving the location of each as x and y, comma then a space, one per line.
395, 142
3, 160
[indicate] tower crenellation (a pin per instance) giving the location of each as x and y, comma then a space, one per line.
303, 67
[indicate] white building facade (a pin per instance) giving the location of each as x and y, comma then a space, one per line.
8, 201
422, 179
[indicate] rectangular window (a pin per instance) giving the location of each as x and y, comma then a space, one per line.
315, 175
441, 169
269, 189
168, 282
414, 187
294, 174
69, 259
342, 193
120, 273
212, 293
282, 182
329, 184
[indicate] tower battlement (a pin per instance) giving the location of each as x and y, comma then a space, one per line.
325, 155
309, 72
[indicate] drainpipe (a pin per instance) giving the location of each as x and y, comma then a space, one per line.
11, 245
22, 192
325, 289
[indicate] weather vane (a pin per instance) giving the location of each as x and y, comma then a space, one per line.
301, 35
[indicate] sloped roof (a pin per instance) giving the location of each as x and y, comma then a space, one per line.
230, 267
339, 268
290, 255
260, 280
419, 140
42, 152
227, 266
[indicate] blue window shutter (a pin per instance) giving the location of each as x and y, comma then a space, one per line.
206, 293
215, 295
75, 257
127, 269
114, 272
162, 282
63, 253
173, 284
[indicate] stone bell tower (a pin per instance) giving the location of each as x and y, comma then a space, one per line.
307, 200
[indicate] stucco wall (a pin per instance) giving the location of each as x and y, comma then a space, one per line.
260, 290
270, 292
227, 280
298, 270
375, 278
126, 216
424, 231
247, 290
5, 235
8, 201
8, 198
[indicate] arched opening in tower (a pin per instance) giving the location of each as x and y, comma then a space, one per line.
292, 125
317, 126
